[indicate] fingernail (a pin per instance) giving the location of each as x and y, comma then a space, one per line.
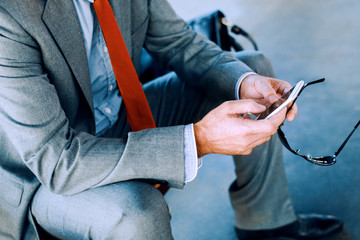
291, 117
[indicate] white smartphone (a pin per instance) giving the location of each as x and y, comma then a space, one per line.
282, 102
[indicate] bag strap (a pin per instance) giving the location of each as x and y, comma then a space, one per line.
236, 30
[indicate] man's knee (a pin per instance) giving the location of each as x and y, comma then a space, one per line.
143, 215
126, 210
257, 61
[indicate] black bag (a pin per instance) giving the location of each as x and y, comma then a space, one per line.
213, 26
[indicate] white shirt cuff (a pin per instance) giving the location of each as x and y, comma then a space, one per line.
192, 162
238, 83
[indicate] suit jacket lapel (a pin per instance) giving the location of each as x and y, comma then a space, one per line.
61, 19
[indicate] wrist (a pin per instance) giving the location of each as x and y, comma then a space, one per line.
239, 82
200, 139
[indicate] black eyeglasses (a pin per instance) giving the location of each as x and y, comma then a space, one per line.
321, 161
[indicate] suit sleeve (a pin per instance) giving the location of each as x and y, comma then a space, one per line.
195, 59
63, 160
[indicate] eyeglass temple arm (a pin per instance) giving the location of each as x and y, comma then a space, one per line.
347, 139
311, 83
305, 85
284, 141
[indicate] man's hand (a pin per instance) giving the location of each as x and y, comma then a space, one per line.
265, 91
224, 131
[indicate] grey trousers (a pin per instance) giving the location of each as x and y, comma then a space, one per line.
136, 210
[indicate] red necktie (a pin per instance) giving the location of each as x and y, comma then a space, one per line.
137, 108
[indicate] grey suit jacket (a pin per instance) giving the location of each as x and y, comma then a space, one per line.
46, 109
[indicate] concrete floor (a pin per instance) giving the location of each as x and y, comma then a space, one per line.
305, 40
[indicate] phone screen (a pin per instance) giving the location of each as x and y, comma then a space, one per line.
275, 105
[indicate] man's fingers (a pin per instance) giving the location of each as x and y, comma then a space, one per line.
270, 126
278, 118
267, 91
291, 115
256, 142
243, 106
282, 87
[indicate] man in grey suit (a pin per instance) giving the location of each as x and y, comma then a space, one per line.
71, 167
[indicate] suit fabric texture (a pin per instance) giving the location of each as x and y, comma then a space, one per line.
46, 112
